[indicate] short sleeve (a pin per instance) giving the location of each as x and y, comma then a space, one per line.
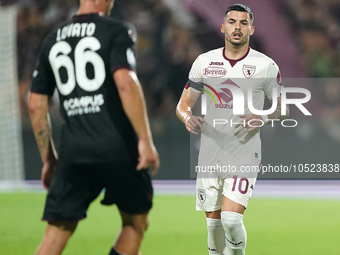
274, 80
122, 53
195, 76
43, 81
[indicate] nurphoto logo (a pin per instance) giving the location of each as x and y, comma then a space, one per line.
232, 92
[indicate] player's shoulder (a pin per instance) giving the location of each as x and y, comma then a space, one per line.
261, 57
106, 23
117, 26
211, 53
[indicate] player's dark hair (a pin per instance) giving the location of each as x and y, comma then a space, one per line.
240, 8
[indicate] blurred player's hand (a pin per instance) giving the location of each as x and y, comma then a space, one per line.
47, 173
194, 123
255, 122
148, 156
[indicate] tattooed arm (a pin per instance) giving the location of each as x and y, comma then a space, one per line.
38, 110
276, 116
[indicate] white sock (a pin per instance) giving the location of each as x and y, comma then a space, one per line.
216, 237
235, 232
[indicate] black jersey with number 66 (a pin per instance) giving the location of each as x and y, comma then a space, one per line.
79, 59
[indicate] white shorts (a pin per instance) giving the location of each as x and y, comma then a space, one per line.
209, 191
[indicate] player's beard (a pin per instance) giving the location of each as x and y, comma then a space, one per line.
239, 43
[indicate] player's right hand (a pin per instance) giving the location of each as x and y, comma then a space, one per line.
46, 174
194, 123
148, 156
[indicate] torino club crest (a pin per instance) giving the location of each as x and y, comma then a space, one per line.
201, 195
248, 70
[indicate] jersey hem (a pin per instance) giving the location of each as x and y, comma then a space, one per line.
42, 92
120, 67
61, 221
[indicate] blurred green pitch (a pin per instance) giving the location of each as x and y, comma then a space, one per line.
274, 227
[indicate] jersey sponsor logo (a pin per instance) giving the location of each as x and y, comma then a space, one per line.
216, 64
76, 30
224, 106
201, 195
83, 105
227, 96
214, 72
248, 70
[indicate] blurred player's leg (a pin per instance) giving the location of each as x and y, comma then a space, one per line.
232, 221
216, 236
209, 199
55, 238
130, 238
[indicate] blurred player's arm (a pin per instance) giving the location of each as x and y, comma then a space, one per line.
277, 113
276, 116
132, 97
38, 110
183, 110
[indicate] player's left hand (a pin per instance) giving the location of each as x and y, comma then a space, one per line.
148, 156
47, 173
255, 122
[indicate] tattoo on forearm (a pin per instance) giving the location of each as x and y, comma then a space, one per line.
43, 136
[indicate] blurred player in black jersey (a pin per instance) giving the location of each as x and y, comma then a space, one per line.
106, 139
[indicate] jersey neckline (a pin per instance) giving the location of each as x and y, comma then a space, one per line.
234, 61
81, 16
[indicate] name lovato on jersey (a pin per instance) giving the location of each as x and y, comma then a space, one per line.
76, 30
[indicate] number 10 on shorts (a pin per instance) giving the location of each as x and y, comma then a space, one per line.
242, 184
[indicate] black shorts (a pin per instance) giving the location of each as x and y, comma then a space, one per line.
75, 186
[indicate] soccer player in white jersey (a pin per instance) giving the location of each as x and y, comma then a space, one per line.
234, 73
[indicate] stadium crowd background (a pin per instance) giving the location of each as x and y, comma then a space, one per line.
172, 33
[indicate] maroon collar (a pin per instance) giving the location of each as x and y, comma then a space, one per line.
234, 61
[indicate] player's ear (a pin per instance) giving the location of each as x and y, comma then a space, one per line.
252, 31
222, 28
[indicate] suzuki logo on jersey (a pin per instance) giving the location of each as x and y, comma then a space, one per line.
248, 70
216, 64
214, 72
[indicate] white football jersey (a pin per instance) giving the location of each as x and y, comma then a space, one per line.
230, 88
